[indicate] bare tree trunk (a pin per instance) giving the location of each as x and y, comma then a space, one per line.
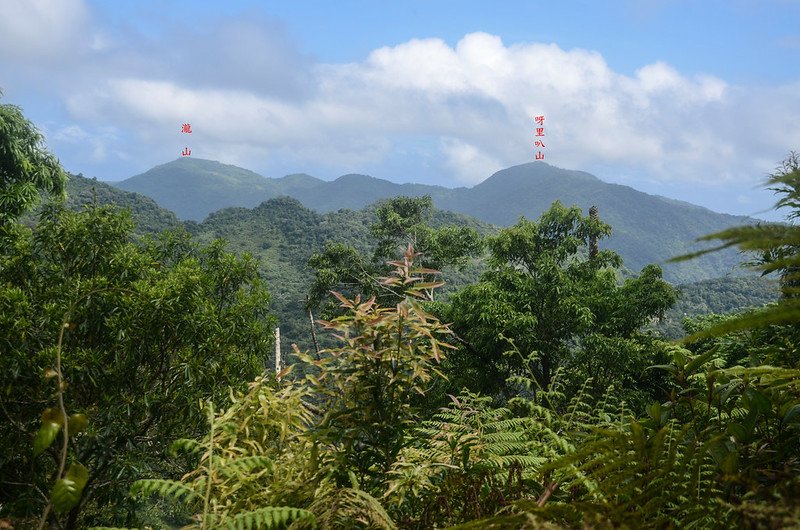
277, 351
593, 239
313, 332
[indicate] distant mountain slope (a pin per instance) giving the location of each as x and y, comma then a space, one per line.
647, 228
720, 295
283, 234
149, 217
193, 188
357, 191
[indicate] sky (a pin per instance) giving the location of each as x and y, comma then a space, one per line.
693, 100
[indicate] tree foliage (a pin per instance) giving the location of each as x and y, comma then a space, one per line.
151, 328
388, 355
540, 300
401, 221
113, 346
26, 167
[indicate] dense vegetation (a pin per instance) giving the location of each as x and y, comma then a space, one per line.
137, 389
647, 228
730, 294
148, 217
283, 234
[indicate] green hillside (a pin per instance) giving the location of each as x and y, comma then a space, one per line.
193, 188
647, 228
280, 232
720, 296
149, 217
283, 234
357, 191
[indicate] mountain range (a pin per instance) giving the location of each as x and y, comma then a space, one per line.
646, 228
282, 234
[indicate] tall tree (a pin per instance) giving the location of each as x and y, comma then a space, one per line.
541, 305
401, 221
139, 332
26, 167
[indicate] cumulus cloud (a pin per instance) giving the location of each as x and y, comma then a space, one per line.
41, 30
254, 99
468, 162
94, 145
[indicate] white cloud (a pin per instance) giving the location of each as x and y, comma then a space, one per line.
255, 99
469, 164
94, 144
40, 30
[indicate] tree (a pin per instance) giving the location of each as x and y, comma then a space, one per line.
401, 221
367, 384
719, 450
777, 251
152, 328
551, 308
26, 167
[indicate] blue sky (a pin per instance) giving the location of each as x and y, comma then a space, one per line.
696, 100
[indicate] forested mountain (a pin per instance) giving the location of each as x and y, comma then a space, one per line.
280, 232
150, 218
140, 389
720, 296
204, 312
193, 188
647, 228
283, 234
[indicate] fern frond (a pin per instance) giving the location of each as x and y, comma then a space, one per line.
243, 465
266, 519
347, 508
186, 445
169, 489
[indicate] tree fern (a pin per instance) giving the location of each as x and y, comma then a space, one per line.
467, 461
346, 508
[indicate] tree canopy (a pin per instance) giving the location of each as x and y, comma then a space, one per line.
26, 167
544, 304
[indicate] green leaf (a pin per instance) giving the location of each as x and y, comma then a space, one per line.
44, 437
759, 403
51, 424
737, 431
791, 414
671, 368
77, 423
67, 491
699, 361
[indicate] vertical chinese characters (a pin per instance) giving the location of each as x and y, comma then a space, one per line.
539, 143
186, 128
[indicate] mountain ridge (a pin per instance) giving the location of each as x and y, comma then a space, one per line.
646, 228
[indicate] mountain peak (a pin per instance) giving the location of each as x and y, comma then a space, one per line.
535, 171
195, 187
646, 228
355, 178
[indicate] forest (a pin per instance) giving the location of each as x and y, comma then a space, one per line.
139, 386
